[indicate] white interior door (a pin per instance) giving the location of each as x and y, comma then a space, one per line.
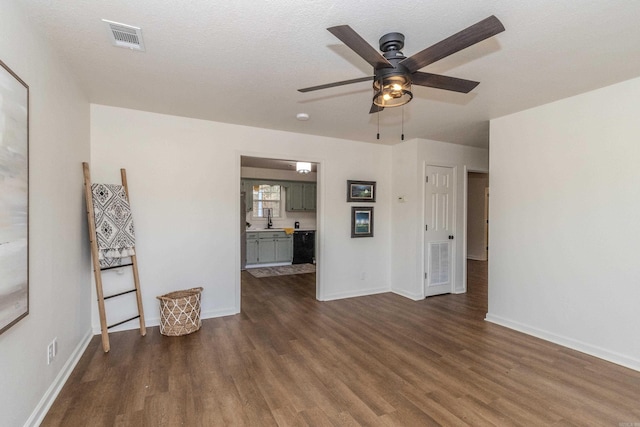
439, 230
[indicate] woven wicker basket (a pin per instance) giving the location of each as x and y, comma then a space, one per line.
180, 312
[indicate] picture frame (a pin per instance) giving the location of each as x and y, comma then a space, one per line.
361, 221
14, 205
361, 191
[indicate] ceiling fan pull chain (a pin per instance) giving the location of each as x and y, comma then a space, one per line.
402, 135
378, 135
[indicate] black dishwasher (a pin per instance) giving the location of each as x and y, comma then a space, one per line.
304, 243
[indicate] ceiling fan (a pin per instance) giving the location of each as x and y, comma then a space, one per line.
394, 73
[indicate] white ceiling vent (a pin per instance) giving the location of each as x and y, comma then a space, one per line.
123, 35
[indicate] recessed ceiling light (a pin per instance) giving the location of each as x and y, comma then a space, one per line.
303, 117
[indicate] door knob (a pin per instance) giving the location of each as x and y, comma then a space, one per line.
450, 237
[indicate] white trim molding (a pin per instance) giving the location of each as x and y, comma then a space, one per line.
41, 409
580, 346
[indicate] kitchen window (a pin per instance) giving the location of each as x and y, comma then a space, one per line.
266, 197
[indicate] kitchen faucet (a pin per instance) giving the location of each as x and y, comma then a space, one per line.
269, 222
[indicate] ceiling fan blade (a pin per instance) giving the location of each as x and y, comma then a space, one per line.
375, 109
328, 85
469, 36
443, 82
359, 45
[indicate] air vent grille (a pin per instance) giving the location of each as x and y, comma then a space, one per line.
122, 35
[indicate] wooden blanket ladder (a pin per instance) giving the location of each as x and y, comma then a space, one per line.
97, 269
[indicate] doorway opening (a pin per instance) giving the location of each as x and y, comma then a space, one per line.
278, 221
477, 229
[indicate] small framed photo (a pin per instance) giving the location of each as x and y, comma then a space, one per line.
361, 191
362, 221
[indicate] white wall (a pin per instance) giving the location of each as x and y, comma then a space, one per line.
476, 185
564, 228
59, 292
406, 209
409, 163
184, 179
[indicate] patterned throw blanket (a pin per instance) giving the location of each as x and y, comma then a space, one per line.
114, 224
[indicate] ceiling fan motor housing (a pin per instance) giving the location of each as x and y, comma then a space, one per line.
392, 86
391, 41
390, 45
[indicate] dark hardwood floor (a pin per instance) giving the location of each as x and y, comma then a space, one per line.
377, 360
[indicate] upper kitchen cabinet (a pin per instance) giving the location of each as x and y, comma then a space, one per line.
301, 196
309, 196
246, 185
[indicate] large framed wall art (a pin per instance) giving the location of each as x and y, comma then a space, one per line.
14, 198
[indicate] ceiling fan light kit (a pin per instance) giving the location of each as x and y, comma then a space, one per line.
392, 91
394, 73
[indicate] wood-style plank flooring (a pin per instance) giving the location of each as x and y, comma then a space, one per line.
377, 360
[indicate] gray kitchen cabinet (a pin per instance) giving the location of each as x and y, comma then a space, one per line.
269, 247
246, 185
284, 249
295, 197
309, 197
252, 248
301, 196
266, 250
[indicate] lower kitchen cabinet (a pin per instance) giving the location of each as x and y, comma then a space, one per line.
269, 247
252, 250
284, 249
266, 250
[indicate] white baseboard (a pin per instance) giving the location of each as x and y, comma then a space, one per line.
273, 264
41, 409
411, 296
155, 321
210, 314
601, 353
362, 293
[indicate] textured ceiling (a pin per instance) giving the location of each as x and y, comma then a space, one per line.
241, 61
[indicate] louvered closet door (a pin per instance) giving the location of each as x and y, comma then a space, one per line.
439, 230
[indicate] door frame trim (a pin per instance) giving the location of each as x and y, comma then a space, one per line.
465, 207
319, 218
